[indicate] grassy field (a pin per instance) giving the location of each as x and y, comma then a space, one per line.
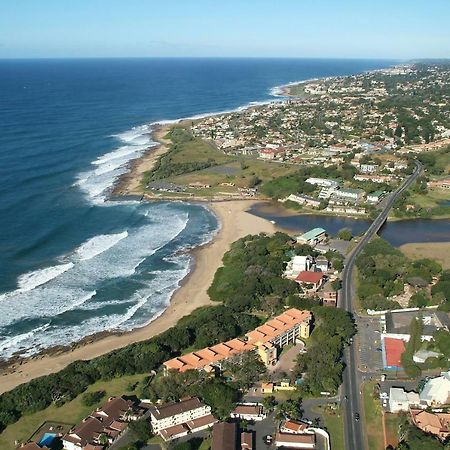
72, 412
433, 198
391, 422
373, 418
438, 251
335, 426
194, 153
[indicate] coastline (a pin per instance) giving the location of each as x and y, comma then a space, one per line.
235, 222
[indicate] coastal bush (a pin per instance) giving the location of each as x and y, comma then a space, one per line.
91, 398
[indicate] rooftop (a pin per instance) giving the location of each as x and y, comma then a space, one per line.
312, 234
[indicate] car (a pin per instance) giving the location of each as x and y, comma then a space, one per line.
268, 439
356, 417
379, 349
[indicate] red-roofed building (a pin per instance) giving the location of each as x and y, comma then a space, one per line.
392, 352
315, 279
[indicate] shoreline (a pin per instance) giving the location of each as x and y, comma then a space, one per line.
235, 222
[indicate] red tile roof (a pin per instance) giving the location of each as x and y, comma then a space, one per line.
309, 277
394, 349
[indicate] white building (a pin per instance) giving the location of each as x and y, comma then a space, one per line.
437, 390
303, 200
400, 400
176, 419
297, 441
350, 194
248, 411
322, 182
297, 264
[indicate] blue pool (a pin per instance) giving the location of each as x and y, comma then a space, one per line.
46, 439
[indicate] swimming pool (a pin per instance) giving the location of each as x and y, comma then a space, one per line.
46, 439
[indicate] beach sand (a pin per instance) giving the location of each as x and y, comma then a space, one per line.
235, 223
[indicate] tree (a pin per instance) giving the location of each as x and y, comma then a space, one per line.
290, 409
220, 397
91, 398
246, 368
269, 402
336, 284
345, 234
141, 429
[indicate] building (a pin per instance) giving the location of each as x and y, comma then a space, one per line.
392, 351
321, 264
352, 195
322, 182
400, 400
303, 200
104, 425
271, 153
436, 423
422, 355
328, 295
375, 197
297, 264
297, 441
284, 329
313, 279
293, 427
175, 419
248, 411
397, 323
312, 237
225, 436
369, 168
437, 390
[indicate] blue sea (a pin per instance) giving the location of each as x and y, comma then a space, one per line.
71, 262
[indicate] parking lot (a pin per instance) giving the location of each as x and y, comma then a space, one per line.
369, 343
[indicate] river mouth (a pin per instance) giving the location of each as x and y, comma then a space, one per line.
397, 233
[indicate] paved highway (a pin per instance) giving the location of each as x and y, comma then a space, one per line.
354, 429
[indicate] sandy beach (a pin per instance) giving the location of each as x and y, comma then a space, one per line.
235, 223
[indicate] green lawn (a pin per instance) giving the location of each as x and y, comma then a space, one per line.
373, 418
71, 413
335, 426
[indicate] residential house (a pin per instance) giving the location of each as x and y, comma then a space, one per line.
328, 295
303, 200
176, 419
227, 436
103, 426
297, 441
368, 168
436, 423
400, 400
353, 195
322, 182
297, 264
293, 427
375, 197
321, 264
248, 411
310, 281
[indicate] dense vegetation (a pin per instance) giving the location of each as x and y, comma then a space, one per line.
383, 271
251, 274
322, 365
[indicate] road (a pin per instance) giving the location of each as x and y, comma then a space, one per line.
354, 430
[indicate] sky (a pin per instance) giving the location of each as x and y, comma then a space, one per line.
398, 29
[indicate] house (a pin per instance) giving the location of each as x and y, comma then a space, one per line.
271, 153
267, 388
297, 264
353, 195
436, 423
321, 263
264, 340
312, 237
375, 197
400, 400
437, 390
328, 295
103, 426
422, 355
297, 441
175, 419
248, 411
293, 427
313, 279
368, 168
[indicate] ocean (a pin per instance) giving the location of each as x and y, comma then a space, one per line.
71, 263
